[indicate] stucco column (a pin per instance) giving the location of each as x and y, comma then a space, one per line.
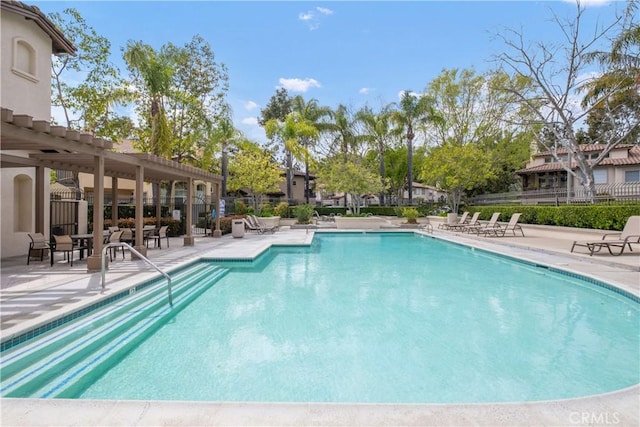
40, 200
114, 201
216, 203
94, 261
139, 243
189, 239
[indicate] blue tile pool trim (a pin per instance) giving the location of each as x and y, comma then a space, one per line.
42, 329
11, 342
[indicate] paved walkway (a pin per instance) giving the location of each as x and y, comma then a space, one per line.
37, 294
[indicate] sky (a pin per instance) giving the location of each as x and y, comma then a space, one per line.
353, 53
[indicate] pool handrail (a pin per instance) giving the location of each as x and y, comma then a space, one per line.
139, 255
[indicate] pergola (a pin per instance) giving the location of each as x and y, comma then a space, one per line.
40, 145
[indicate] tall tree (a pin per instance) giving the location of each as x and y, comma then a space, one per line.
413, 113
196, 97
377, 132
557, 75
278, 107
152, 74
253, 169
621, 70
314, 115
352, 178
87, 87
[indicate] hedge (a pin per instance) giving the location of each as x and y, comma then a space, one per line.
600, 217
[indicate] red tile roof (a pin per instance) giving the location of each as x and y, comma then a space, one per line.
60, 43
632, 159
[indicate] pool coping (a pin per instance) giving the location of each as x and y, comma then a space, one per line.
617, 407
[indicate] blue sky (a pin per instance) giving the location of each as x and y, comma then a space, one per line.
354, 53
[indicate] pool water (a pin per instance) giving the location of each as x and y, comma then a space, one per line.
386, 318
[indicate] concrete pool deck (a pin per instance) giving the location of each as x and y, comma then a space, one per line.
37, 294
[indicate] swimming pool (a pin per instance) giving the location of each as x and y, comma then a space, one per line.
382, 318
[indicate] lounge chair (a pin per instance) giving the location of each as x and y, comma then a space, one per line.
481, 227
249, 226
463, 220
500, 231
256, 223
630, 234
38, 243
470, 223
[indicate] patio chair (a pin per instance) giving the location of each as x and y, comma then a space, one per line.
256, 223
127, 236
469, 223
481, 227
500, 231
157, 237
630, 234
115, 238
64, 244
38, 243
463, 220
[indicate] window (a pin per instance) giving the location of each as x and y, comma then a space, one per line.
600, 176
632, 176
24, 60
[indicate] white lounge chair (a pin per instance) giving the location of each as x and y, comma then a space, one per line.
500, 231
630, 234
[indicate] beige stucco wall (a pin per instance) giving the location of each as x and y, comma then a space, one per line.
25, 94
18, 201
30, 94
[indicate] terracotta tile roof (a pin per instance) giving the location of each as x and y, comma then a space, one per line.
60, 43
585, 148
632, 159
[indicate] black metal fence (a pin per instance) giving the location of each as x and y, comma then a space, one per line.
605, 193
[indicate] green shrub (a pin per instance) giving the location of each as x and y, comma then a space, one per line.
411, 214
303, 213
282, 210
240, 207
266, 210
600, 217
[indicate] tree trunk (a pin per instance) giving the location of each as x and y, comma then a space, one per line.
289, 176
381, 172
225, 171
410, 167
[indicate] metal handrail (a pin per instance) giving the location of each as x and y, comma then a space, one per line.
123, 244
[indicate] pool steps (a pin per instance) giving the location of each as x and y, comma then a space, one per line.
58, 365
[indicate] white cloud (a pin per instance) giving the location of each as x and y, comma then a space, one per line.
312, 18
324, 10
250, 121
365, 90
299, 85
250, 105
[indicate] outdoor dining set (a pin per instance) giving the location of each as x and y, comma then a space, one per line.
68, 243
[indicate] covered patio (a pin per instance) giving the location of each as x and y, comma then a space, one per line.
25, 142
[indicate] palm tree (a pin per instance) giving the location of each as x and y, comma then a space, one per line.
414, 112
342, 127
155, 72
377, 131
313, 114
